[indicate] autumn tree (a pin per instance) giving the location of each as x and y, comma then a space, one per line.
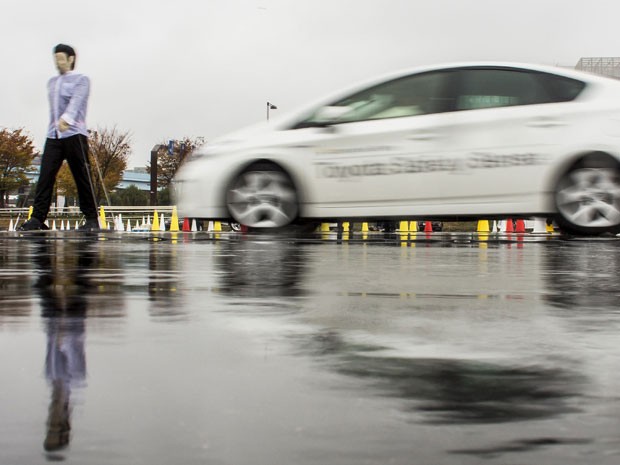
171, 156
16, 155
109, 150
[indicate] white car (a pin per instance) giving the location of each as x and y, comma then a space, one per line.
468, 140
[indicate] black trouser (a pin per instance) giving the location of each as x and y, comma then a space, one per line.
74, 149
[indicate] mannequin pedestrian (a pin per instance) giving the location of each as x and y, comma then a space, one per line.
67, 139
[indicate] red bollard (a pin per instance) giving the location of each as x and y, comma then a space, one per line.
520, 227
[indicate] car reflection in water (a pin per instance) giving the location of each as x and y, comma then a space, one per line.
261, 268
163, 282
441, 390
449, 391
583, 274
63, 286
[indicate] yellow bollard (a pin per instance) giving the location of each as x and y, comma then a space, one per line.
30, 211
483, 226
174, 222
550, 228
404, 226
345, 227
413, 226
217, 226
102, 222
155, 225
324, 227
364, 227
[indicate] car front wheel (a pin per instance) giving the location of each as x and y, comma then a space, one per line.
588, 200
262, 197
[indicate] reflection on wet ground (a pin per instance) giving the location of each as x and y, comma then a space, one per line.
272, 349
451, 391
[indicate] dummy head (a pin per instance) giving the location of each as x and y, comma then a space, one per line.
65, 58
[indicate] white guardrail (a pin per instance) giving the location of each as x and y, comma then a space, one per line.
75, 211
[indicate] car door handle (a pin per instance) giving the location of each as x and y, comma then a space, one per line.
422, 136
545, 123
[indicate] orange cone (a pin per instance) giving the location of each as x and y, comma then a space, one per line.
186, 226
520, 227
428, 226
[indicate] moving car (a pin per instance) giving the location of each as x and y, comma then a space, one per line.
468, 140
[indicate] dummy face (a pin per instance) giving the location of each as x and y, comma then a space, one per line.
64, 63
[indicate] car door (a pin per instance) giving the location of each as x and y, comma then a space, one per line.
375, 152
509, 124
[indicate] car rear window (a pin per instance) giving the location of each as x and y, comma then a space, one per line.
560, 88
491, 88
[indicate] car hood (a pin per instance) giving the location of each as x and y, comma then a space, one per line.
237, 139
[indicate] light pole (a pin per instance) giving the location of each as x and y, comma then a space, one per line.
270, 106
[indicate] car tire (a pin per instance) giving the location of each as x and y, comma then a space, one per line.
262, 197
587, 199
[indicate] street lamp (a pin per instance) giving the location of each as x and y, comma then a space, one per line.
270, 106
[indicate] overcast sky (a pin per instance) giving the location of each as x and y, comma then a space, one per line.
165, 69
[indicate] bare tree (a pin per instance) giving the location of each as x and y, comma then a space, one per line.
171, 156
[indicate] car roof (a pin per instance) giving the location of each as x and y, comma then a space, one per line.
560, 71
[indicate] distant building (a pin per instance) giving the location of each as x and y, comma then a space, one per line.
138, 177
605, 66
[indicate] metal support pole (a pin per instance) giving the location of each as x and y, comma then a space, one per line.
154, 151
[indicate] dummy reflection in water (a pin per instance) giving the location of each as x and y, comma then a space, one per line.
63, 287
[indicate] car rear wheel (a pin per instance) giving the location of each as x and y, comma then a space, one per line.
588, 200
263, 196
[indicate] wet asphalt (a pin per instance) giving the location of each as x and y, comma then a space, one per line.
231, 348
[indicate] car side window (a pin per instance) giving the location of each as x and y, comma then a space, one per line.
491, 88
419, 94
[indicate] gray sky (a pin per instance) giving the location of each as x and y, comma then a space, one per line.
165, 69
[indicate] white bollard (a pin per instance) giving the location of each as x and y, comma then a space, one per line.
540, 226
